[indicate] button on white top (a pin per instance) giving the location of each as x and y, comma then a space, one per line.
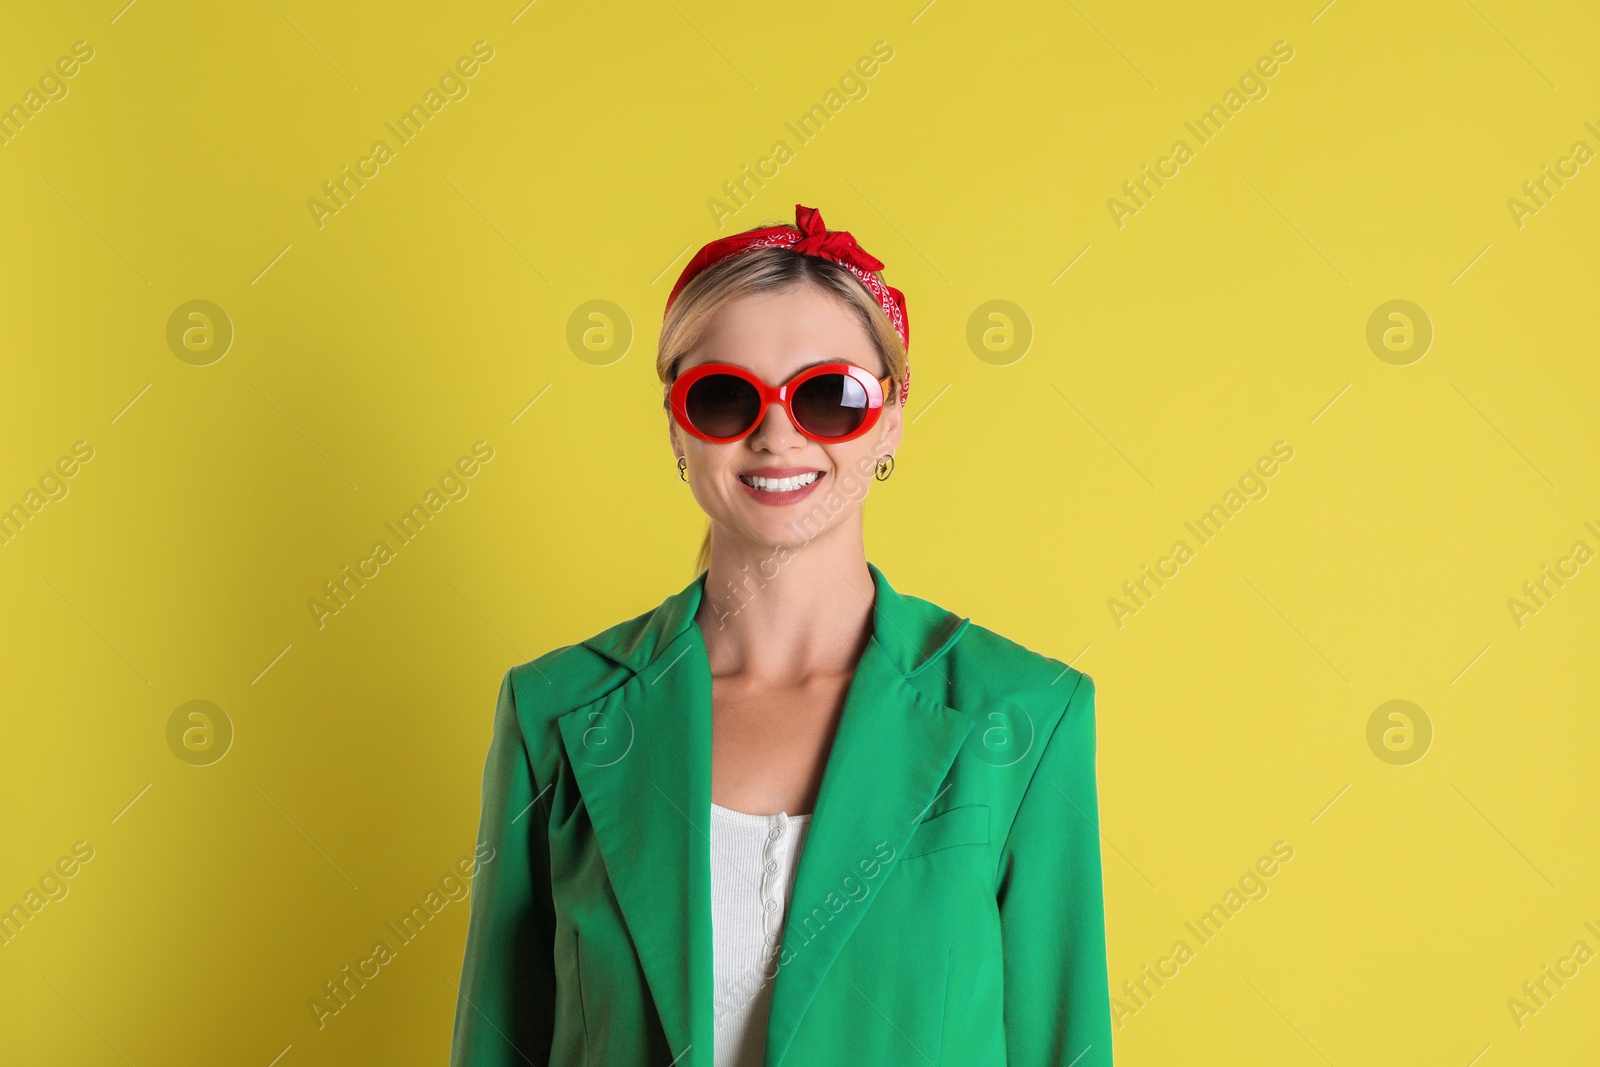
753, 863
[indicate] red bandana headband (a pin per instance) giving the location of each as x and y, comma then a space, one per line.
809, 236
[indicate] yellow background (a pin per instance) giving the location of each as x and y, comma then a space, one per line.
368, 355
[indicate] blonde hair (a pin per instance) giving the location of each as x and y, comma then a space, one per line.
768, 270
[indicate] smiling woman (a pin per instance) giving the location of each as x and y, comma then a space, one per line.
770, 823
731, 307
781, 459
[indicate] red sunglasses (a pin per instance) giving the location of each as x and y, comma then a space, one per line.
831, 402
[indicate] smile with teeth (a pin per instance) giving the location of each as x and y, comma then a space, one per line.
779, 485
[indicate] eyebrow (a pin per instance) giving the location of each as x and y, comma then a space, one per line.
820, 362
808, 366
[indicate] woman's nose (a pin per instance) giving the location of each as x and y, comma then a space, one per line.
776, 431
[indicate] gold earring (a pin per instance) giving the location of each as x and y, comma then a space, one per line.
683, 465
885, 468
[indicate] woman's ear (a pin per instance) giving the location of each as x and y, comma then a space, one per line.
673, 437
891, 425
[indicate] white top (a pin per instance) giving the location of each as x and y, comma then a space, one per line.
753, 861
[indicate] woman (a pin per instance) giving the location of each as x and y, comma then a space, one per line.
790, 816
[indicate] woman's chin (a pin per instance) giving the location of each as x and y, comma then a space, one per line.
779, 535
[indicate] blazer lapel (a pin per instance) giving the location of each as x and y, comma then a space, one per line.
892, 750
641, 756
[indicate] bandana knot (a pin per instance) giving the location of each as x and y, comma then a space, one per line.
839, 245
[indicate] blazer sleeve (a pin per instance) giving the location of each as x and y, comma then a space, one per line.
1052, 913
505, 1011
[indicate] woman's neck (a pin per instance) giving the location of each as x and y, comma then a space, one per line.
786, 614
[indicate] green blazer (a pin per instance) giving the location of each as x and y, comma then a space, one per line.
947, 905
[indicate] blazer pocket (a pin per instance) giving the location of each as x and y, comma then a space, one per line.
964, 825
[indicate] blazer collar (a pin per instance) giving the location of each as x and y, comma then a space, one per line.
912, 632
641, 758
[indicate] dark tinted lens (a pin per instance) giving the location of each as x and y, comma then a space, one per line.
830, 405
721, 405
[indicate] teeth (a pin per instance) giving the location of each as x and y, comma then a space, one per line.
779, 485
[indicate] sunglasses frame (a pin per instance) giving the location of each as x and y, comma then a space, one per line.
877, 390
